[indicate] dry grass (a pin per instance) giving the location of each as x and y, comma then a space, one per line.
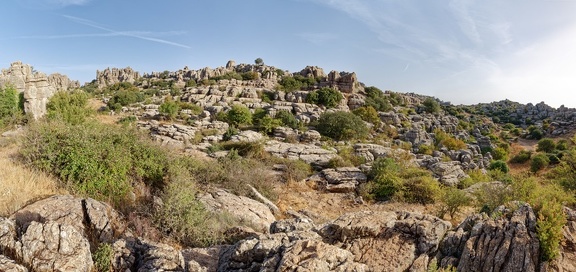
18, 184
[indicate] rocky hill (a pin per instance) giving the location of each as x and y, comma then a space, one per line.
316, 172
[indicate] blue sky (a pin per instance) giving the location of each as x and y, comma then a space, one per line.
461, 51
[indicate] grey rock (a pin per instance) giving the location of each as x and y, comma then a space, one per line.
134, 254
309, 153
9, 265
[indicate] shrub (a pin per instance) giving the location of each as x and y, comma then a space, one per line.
546, 145
267, 124
540, 161
368, 114
103, 257
551, 220
11, 106
259, 61
499, 165
499, 153
522, 157
239, 115
100, 161
535, 132
341, 125
289, 84
562, 145
287, 118
326, 96
443, 139
249, 76
183, 217
191, 83
431, 105
453, 200
169, 109
377, 99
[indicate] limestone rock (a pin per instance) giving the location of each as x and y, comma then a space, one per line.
306, 255
202, 259
450, 173
343, 179
111, 76
91, 218
242, 208
52, 246
247, 136
133, 254
507, 243
9, 265
309, 153
37, 87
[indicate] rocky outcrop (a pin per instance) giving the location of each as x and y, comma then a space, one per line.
37, 87
506, 243
111, 76
362, 241
343, 179
134, 254
309, 153
242, 208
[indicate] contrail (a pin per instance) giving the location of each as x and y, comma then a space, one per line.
121, 33
406, 68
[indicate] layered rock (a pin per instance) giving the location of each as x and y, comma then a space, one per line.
37, 87
111, 76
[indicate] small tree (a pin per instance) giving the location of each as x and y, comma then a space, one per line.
539, 162
169, 109
499, 165
546, 145
326, 96
239, 115
259, 61
70, 107
431, 105
342, 125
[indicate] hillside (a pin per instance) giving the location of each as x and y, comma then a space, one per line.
248, 167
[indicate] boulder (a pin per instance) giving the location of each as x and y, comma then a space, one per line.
134, 254
309, 153
9, 265
343, 179
506, 243
449, 173
242, 208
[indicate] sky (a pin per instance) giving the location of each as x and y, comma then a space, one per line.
462, 51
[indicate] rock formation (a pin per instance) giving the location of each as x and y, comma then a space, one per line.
36, 86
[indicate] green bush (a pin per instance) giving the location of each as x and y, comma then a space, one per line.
103, 257
431, 105
499, 153
453, 200
342, 125
326, 96
11, 107
539, 162
183, 217
546, 145
100, 161
239, 115
499, 165
289, 84
69, 107
522, 157
443, 139
377, 99
551, 220
288, 119
411, 184
169, 109
125, 97
368, 114
267, 124
535, 132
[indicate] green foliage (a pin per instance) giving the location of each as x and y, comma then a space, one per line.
182, 216
499, 165
239, 115
425, 149
326, 96
404, 183
295, 170
443, 139
103, 257
562, 145
376, 99
522, 157
169, 109
289, 84
124, 97
431, 105
535, 132
11, 109
341, 125
70, 107
368, 114
499, 153
546, 145
259, 61
100, 161
539, 162
453, 200
267, 124
249, 75
551, 220
191, 83
288, 119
